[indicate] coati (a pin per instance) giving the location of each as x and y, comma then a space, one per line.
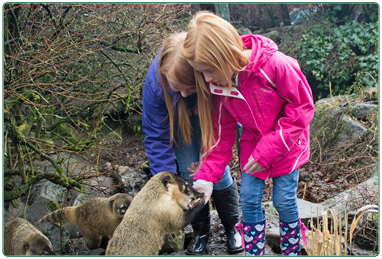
97, 218
166, 204
22, 238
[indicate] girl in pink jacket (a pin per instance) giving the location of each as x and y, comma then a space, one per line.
251, 82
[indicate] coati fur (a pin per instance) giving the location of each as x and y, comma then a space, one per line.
166, 204
97, 218
22, 238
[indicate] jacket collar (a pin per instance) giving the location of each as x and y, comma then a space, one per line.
221, 90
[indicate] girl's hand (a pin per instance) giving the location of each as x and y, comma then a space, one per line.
194, 168
252, 166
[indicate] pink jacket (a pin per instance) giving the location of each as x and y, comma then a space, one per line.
274, 103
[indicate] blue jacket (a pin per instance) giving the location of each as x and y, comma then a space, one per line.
155, 122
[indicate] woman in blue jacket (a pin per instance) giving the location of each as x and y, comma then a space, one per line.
171, 123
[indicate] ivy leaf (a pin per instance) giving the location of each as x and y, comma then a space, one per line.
337, 8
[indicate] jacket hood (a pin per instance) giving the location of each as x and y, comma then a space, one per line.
262, 49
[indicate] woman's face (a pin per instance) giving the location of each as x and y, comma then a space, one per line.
185, 90
207, 72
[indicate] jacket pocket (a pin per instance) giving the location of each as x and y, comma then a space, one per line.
259, 107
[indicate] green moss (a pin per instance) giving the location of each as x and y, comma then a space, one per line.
52, 206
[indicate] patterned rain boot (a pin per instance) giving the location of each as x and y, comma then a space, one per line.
290, 237
254, 237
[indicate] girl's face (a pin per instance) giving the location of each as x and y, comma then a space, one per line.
207, 72
185, 90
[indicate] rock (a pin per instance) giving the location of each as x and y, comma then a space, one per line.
274, 35
79, 199
76, 246
73, 230
362, 110
244, 30
173, 242
101, 182
44, 195
306, 210
352, 130
49, 191
58, 237
363, 194
131, 180
15, 211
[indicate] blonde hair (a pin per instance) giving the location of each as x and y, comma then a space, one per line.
215, 42
173, 65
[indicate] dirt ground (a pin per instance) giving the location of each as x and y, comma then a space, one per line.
314, 186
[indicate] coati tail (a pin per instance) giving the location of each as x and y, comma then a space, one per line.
59, 216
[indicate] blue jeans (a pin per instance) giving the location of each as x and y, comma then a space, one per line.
284, 197
186, 154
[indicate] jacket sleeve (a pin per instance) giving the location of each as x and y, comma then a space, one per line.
291, 85
212, 168
155, 125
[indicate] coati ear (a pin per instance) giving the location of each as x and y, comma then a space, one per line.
166, 179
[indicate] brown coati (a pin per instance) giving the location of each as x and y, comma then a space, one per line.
97, 218
22, 238
166, 204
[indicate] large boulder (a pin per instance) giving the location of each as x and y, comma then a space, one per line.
351, 130
356, 197
363, 110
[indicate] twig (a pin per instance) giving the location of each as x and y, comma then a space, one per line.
343, 178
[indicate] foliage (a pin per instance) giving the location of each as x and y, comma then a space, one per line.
340, 13
66, 68
332, 55
347, 160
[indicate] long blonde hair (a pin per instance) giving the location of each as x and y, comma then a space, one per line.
173, 65
215, 42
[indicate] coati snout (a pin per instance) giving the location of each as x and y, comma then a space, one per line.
122, 209
120, 202
166, 204
22, 238
186, 196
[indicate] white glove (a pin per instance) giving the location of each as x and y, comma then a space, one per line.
205, 187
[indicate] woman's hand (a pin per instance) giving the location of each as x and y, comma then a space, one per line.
205, 187
252, 166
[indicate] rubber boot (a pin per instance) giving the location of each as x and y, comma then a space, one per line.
290, 237
201, 226
254, 237
227, 205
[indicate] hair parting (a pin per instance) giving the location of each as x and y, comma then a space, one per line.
214, 41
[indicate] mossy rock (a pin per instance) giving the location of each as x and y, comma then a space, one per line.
173, 242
